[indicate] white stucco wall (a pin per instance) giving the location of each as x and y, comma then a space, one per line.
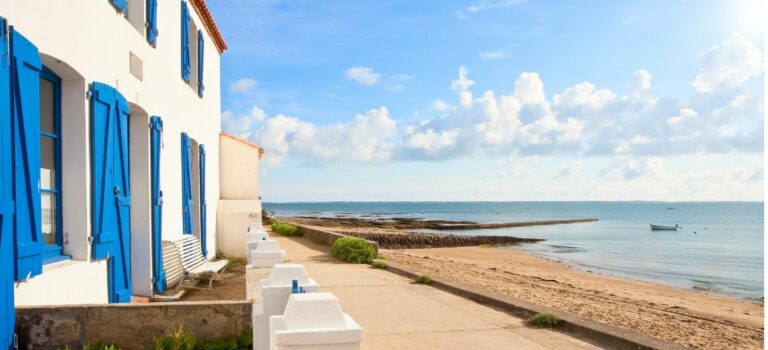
87, 41
240, 204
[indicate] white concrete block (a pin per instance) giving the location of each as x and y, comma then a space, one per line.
313, 322
275, 291
266, 253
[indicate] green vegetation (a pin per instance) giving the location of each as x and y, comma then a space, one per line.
379, 264
544, 319
486, 245
102, 346
383, 257
423, 280
353, 249
179, 340
185, 340
284, 229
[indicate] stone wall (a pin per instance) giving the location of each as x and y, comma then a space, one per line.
131, 326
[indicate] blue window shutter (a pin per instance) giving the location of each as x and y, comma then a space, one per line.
110, 188
120, 5
156, 140
7, 317
152, 31
25, 120
186, 183
203, 203
186, 64
200, 48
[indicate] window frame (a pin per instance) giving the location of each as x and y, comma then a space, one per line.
54, 252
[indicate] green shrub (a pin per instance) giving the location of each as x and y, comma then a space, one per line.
379, 264
284, 229
423, 280
544, 319
179, 340
353, 249
102, 346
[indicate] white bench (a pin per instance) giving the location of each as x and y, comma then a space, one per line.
194, 263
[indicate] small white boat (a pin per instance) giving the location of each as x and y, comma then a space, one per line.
664, 227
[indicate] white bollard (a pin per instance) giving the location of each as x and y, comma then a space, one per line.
266, 254
275, 291
314, 322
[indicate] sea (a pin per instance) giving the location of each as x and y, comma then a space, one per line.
719, 248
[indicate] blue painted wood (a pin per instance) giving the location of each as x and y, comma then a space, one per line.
186, 184
152, 31
203, 203
120, 5
7, 317
200, 59
156, 143
186, 63
110, 190
25, 124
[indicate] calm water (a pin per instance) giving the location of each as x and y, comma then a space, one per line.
719, 249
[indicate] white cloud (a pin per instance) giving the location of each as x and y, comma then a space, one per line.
729, 64
364, 138
429, 140
363, 75
485, 5
243, 125
641, 82
440, 105
243, 85
583, 95
567, 171
529, 88
685, 115
462, 83
493, 55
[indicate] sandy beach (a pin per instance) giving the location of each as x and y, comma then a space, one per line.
687, 317
692, 318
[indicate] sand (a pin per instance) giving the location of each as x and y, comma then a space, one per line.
687, 317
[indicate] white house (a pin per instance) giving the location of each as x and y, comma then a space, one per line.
109, 144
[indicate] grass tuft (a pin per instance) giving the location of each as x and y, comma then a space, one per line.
545, 319
423, 280
379, 264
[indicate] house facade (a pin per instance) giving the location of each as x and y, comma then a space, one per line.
109, 144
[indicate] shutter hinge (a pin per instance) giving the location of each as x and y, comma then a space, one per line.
15, 340
153, 280
90, 239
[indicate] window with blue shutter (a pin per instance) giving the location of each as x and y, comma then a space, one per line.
186, 183
25, 125
7, 311
152, 31
156, 143
203, 203
200, 45
186, 64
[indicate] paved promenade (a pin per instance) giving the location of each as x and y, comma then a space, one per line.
398, 314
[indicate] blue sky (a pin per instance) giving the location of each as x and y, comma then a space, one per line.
498, 99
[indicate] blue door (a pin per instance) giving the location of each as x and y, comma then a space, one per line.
203, 202
186, 183
6, 198
156, 143
110, 190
